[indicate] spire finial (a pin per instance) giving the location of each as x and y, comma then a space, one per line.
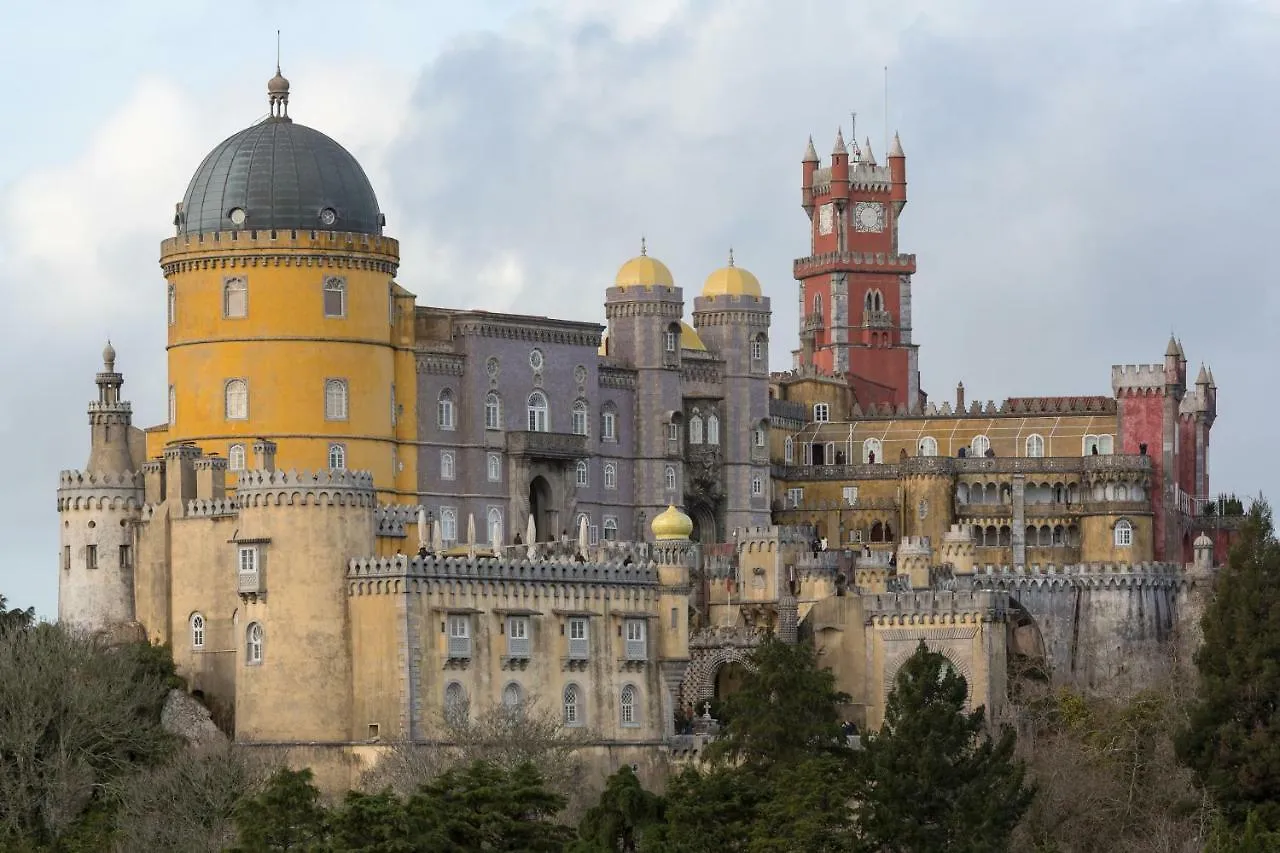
644, 248
730, 256
278, 90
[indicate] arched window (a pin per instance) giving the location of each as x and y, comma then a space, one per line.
1106, 445
173, 406
492, 411
447, 469
788, 450
236, 403
610, 529
817, 304
495, 527
1035, 445
979, 445
757, 348
456, 706
609, 422
235, 297
628, 713
197, 631
582, 474
877, 532
573, 715
335, 296
235, 457
512, 696
672, 338
670, 478
538, 415
173, 304
580, 417
1090, 446
695, 430
610, 475
495, 468
253, 644
821, 413
444, 409
928, 446
337, 457
713, 429
449, 524
335, 399
872, 452
1124, 534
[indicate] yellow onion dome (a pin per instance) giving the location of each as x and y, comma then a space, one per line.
672, 524
732, 281
643, 271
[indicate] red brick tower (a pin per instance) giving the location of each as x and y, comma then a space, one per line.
855, 289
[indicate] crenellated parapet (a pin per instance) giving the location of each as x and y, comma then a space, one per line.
1133, 380
91, 490
933, 607
215, 508
395, 520
1085, 575
374, 575
306, 488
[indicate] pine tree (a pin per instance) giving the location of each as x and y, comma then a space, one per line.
787, 709
932, 779
617, 821
1232, 738
286, 815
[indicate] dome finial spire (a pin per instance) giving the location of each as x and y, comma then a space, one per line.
644, 249
730, 256
278, 90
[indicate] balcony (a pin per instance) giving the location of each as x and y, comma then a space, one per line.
547, 445
854, 261
251, 584
877, 319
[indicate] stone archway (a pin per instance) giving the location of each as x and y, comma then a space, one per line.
543, 509
958, 663
704, 524
700, 678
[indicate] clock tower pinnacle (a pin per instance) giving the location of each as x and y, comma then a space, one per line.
855, 287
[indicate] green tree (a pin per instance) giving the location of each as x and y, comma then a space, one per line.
625, 810
483, 807
16, 619
786, 710
286, 815
1232, 736
373, 823
712, 809
932, 779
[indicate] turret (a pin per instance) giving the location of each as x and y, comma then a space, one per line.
897, 175
840, 170
958, 550
96, 508
808, 166
914, 556
1175, 369
672, 551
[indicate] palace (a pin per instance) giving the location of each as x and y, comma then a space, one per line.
364, 517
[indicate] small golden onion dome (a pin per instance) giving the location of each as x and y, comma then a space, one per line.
672, 524
643, 271
690, 339
732, 281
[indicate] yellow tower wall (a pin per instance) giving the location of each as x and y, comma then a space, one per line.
285, 348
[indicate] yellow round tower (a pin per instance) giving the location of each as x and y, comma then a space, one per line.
282, 309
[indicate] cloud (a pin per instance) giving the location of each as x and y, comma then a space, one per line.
1083, 179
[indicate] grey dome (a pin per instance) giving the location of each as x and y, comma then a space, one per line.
279, 175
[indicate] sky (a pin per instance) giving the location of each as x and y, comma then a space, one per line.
1085, 179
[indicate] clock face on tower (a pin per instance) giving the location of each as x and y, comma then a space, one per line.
826, 216
868, 216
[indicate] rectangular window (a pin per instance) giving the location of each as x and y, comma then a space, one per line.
126, 556
795, 497
821, 413
248, 559
91, 557
757, 486
235, 297
671, 340
66, 557
673, 432
637, 649
610, 529
579, 644
459, 635
593, 534
395, 414
518, 636
675, 618
173, 304
609, 426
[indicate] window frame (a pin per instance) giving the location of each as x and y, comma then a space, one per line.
1122, 535
628, 712
237, 456
197, 630
579, 648
519, 633
609, 423
610, 526
1033, 446
713, 429
821, 413
571, 706
254, 643
610, 475
493, 467
979, 441
446, 410
757, 486
869, 446
235, 284
539, 413
338, 451
492, 411
580, 418
337, 391
695, 429
240, 387
929, 443
582, 474
635, 634
448, 465
335, 284
669, 479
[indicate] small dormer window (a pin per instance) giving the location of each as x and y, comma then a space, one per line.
821, 413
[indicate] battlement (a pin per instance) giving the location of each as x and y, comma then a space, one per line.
1090, 575
256, 241
838, 261
122, 407
218, 508
913, 545
90, 490
933, 606
394, 519
487, 569
1136, 377
958, 534
75, 479
301, 488
644, 293
729, 302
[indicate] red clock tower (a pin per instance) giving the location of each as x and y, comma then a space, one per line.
855, 289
